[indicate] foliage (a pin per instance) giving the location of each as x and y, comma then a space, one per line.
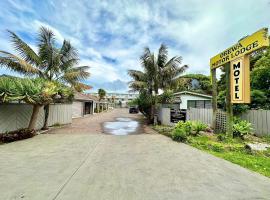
50, 62
182, 84
179, 134
261, 72
260, 84
241, 128
229, 148
101, 93
234, 151
259, 100
166, 97
133, 102
16, 135
32, 91
159, 72
198, 126
195, 82
237, 108
145, 102
187, 126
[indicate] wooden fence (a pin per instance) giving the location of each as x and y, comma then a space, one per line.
16, 116
260, 119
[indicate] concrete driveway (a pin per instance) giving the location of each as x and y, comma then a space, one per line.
100, 166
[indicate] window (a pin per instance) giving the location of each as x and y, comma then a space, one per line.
199, 104
191, 104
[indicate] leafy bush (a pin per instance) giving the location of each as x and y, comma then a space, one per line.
221, 137
166, 97
17, 135
186, 126
241, 128
198, 126
179, 134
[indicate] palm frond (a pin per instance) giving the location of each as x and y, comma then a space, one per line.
25, 51
68, 64
136, 75
78, 86
17, 64
76, 74
162, 56
137, 85
68, 52
174, 62
46, 43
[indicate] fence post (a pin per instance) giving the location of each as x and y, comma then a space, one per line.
229, 112
214, 99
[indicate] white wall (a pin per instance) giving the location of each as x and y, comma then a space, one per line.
186, 97
17, 116
77, 109
164, 116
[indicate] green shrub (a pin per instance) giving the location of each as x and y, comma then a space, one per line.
179, 134
241, 128
187, 126
17, 135
198, 126
222, 137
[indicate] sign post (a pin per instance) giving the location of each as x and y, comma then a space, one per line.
235, 60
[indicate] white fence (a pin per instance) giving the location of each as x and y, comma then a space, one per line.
200, 114
164, 116
16, 116
260, 119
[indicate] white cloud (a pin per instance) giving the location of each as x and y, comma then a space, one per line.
194, 29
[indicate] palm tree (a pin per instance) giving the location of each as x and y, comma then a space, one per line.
159, 72
101, 93
50, 62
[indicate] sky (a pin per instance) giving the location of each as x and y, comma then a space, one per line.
110, 35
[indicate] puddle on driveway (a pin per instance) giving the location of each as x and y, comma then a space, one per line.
122, 126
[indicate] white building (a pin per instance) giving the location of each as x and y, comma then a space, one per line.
119, 98
188, 99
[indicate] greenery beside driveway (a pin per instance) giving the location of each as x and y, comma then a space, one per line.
49, 62
228, 148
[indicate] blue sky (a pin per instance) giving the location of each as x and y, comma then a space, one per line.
111, 35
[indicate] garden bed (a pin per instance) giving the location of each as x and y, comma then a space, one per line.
16, 135
228, 148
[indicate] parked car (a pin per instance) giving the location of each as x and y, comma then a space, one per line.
133, 109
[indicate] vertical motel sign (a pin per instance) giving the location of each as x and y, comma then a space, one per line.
238, 57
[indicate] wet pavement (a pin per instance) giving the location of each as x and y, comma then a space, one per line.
122, 126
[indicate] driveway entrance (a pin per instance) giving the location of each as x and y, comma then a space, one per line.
84, 165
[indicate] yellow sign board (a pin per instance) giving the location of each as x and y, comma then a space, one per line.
245, 46
240, 80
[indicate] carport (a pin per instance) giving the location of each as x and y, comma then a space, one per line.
82, 105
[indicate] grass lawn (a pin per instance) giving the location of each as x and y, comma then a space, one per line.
230, 149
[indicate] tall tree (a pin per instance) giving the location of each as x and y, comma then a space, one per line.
159, 72
50, 62
101, 93
194, 82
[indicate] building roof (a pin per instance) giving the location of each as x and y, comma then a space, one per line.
194, 94
93, 97
81, 97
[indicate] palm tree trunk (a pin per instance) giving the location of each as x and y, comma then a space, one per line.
34, 117
47, 112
